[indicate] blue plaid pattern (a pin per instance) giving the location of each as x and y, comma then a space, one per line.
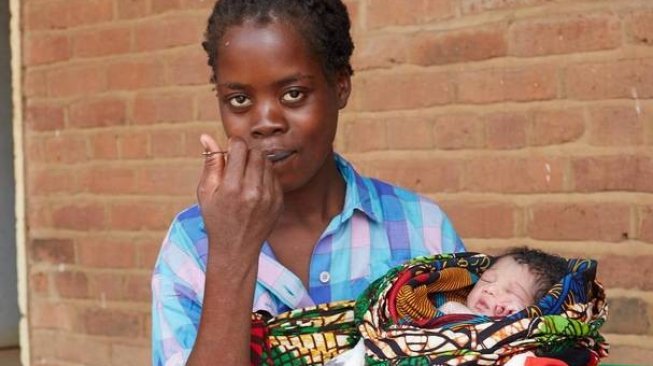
380, 226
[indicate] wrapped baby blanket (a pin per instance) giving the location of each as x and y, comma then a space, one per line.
397, 318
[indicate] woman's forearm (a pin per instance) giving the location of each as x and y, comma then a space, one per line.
225, 325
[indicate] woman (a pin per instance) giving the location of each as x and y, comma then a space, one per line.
283, 222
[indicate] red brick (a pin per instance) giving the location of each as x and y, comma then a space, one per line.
79, 216
76, 80
48, 181
630, 355
498, 85
39, 15
581, 33
619, 79
139, 216
380, 51
170, 179
106, 253
365, 134
422, 174
644, 182
553, 127
95, 351
41, 346
102, 112
410, 90
482, 219
104, 145
39, 284
135, 74
167, 143
162, 108
628, 315
619, 125
579, 221
148, 253
189, 68
507, 174
409, 133
108, 179
35, 83
84, 12
139, 287
71, 284
58, 14
134, 145
171, 32
130, 355
430, 48
65, 148
207, 108
383, 13
51, 315
130, 9
477, 6
197, 4
44, 117
52, 250
108, 287
192, 146
113, 323
101, 42
618, 272
605, 173
646, 224
458, 131
46, 48
39, 214
639, 25
506, 130
162, 6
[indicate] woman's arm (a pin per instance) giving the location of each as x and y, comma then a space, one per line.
240, 201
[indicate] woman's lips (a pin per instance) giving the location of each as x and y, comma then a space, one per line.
278, 155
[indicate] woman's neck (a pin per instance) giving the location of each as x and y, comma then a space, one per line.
319, 200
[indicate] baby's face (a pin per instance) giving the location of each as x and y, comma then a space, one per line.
505, 288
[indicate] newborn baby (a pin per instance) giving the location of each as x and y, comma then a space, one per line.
517, 279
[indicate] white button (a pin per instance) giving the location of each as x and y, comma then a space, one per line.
325, 277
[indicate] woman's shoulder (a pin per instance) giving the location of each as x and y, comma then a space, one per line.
384, 189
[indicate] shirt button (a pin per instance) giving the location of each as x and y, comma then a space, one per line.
325, 277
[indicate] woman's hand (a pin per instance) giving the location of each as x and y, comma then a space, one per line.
239, 196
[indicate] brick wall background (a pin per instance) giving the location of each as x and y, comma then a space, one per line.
530, 121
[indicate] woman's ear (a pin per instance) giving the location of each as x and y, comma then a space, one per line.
343, 86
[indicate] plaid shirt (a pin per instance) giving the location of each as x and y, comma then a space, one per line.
379, 227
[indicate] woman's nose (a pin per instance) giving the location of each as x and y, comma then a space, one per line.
268, 121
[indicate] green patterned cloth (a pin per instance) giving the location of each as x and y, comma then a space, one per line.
400, 324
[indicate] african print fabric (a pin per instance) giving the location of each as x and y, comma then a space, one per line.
398, 318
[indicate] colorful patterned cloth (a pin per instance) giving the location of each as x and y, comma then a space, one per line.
398, 319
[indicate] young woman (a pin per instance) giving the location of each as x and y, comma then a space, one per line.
282, 222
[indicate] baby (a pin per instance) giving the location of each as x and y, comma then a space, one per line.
517, 279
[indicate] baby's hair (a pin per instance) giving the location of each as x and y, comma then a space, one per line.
324, 25
547, 268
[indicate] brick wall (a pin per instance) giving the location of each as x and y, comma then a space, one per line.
530, 121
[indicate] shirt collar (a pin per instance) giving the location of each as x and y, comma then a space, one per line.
360, 194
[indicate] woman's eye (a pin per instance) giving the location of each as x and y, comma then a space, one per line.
293, 96
240, 101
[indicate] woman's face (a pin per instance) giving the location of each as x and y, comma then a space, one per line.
273, 93
505, 288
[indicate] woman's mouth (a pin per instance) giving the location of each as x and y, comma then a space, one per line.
278, 155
